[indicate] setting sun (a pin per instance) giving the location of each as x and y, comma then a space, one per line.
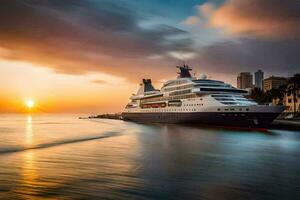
29, 103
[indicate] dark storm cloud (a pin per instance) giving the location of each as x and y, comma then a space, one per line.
79, 36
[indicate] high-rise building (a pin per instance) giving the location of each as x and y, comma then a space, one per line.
245, 80
274, 82
259, 78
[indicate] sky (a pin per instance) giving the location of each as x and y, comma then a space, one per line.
89, 56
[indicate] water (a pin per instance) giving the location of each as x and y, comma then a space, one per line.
62, 157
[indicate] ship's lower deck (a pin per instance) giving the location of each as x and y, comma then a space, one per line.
237, 119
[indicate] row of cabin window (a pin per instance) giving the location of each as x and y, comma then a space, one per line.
169, 98
168, 110
180, 92
236, 115
197, 104
176, 83
178, 88
232, 109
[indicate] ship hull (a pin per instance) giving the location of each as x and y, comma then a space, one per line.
238, 119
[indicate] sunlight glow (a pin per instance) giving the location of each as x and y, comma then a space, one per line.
29, 103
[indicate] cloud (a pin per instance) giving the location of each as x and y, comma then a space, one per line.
258, 34
274, 19
192, 21
232, 57
206, 9
78, 37
99, 81
106, 36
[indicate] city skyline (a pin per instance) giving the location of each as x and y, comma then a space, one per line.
251, 80
89, 56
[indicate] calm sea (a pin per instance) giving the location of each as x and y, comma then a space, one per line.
63, 157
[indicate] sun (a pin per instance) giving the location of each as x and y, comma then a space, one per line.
29, 103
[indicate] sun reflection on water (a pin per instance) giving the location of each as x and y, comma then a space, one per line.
29, 132
29, 172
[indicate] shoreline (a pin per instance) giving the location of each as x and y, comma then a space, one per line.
287, 124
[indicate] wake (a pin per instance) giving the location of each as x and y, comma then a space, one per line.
58, 143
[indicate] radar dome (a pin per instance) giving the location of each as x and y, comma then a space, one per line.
203, 76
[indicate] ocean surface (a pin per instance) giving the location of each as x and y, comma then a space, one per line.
63, 157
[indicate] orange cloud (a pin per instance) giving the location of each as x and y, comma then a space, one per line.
192, 21
206, 9
262, 18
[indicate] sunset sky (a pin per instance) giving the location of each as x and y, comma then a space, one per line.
88, 56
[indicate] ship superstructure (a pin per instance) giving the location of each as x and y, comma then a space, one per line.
187, 99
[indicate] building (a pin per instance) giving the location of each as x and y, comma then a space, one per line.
274, 82
259, 77
245, 80
292, 104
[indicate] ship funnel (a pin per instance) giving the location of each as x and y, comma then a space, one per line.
146, 86
184, 71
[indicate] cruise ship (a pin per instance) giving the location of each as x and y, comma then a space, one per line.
188, 99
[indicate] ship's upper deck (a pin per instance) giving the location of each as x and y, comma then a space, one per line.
184, 85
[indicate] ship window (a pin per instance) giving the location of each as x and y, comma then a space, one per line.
207, 81
219, 109
226, 109
241, 109
231, 108
229, 103
223, 90
224, 99
247, 109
